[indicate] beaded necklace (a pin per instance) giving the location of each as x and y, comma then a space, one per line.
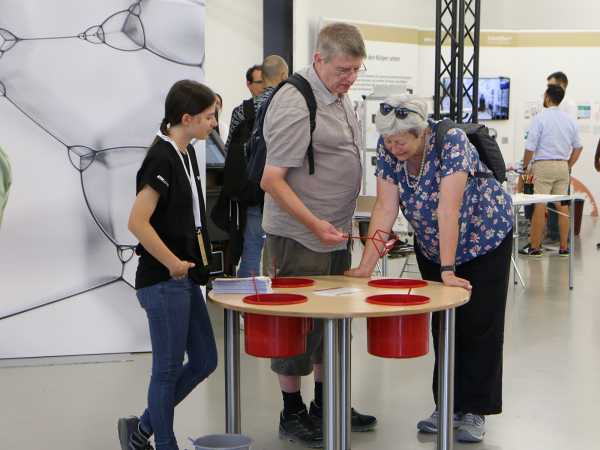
421, 169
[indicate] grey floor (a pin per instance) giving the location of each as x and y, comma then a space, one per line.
551, 381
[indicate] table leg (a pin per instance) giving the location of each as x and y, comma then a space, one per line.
336, 386
384, 265
232, 372
571, 241
518, 272
445, 436
517, 276
345, 331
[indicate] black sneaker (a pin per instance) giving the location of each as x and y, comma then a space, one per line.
563, 252
301, 428
359, 422
131, 437
535, 252
525, 250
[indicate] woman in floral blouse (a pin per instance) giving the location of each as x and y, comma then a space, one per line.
463, 236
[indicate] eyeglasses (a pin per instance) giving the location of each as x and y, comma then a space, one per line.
345, 71
256, 82
400, 111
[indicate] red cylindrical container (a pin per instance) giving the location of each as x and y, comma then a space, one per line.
275, 336
398, 336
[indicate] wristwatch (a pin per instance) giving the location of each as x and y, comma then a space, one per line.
451, 268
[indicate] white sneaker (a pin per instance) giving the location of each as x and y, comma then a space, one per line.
472, 428
430, 424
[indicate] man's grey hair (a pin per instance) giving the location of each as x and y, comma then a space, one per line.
414, 122
341, 39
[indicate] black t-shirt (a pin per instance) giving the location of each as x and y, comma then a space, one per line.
173, 218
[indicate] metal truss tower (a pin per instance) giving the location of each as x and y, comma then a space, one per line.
457, 59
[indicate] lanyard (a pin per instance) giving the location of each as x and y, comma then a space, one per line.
190, 177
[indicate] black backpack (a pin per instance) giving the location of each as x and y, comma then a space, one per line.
256, 148
487, 147
228, 213
234, 171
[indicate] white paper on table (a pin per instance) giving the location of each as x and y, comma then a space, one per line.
335, 292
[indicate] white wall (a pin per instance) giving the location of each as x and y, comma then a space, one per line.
540, 14
233, 44
307, 14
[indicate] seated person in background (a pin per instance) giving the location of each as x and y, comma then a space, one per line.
554, 145
463, 237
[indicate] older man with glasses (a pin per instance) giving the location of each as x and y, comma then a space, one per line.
307, 216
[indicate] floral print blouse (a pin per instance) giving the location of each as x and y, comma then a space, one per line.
486, 216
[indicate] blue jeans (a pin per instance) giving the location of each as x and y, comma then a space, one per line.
254, 239
552, 232
179, 323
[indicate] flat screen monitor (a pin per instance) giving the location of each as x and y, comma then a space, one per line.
493, 101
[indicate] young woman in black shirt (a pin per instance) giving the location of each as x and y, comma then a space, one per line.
168, 218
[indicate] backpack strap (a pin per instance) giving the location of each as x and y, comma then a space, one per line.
300, 83
248, 109
440, 133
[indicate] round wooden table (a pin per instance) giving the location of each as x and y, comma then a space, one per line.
337, 312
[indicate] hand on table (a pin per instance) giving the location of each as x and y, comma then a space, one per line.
358, 272
450, 279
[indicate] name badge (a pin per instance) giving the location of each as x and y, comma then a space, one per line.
201, 245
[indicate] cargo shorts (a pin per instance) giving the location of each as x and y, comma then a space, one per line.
551, 177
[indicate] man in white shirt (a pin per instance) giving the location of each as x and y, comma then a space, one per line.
554, 145
570, 107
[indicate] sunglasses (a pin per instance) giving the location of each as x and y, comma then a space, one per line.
400, 111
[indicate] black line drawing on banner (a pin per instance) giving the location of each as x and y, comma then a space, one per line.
81, 158
123, 31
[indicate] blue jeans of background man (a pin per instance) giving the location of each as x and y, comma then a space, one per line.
179, 324
552, 232
254, 240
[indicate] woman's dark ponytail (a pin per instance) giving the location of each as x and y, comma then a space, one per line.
163, 126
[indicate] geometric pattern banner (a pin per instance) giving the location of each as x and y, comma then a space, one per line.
82, 87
